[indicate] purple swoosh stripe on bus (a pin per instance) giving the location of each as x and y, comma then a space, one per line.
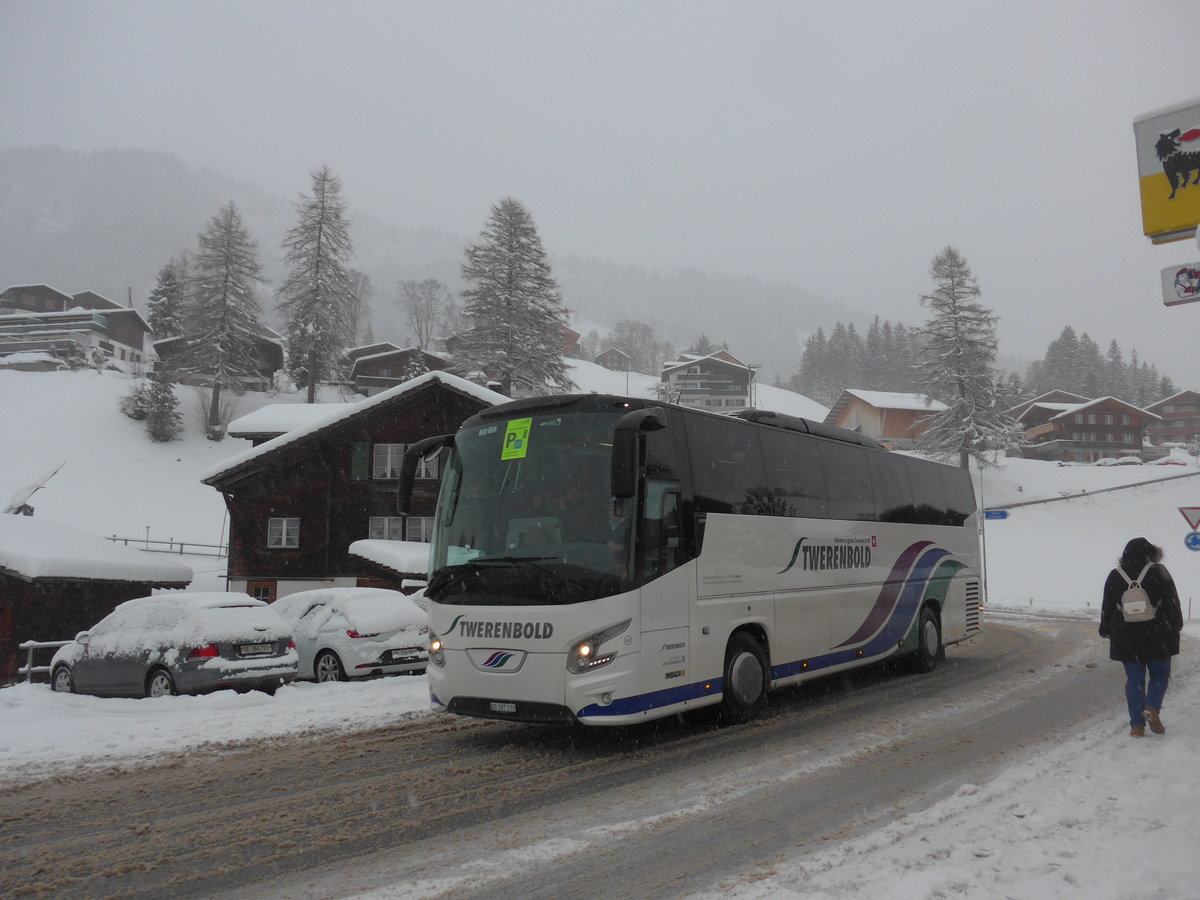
887, 596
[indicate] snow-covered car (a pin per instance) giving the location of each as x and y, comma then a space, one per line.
344, 633
189, 642
1128, 461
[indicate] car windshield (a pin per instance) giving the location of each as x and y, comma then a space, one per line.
525, 514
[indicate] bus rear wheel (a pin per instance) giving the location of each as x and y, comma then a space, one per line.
929, 641
745, 690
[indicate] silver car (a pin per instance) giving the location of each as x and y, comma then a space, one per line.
179, 643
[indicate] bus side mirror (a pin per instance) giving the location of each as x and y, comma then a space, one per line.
408, 467
625, 447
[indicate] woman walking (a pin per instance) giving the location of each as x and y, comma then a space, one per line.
1144, 647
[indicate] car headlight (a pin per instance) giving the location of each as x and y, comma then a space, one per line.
436, 656
586, 654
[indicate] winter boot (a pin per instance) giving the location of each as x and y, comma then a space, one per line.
1137, 731
1152, 719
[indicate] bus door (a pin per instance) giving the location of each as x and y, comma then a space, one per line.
667, 589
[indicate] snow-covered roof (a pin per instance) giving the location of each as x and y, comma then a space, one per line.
896, 400
38, 548
342, 411
409, 557
280, 418
1099, 401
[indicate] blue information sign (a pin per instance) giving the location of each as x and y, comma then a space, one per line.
995, 513
1192, 541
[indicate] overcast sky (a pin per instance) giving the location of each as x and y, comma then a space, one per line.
834, 145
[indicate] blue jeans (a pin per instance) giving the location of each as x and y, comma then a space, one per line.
1138, 694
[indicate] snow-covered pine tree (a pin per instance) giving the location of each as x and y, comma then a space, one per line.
416, 366
316, 299
163, 420
957, 366
514, 307
223, 321
166, 307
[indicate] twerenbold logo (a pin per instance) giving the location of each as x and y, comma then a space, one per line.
476, 629
497, 660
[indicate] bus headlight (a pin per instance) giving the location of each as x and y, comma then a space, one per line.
585, 655
436, 656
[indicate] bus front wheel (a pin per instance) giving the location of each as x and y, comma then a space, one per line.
745, 690
929, 641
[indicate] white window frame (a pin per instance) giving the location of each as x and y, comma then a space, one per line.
385, 528
386, 460
283, 532
420, 528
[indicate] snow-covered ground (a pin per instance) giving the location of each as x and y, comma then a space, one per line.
1099, 815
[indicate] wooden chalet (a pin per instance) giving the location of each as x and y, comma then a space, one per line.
894, 419
613, 359
377, 372
297, 502
718, 382
56, 581
1180, 419
1083, 432
268, 347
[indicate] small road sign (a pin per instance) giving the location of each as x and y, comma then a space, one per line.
1192, 514
1192, 541
1002, 514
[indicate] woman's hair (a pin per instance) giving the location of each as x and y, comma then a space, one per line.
1137, 553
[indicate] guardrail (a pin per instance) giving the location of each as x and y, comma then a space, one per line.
1108, 490
172, 546
28, 670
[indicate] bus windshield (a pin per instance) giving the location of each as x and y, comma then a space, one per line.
525, 515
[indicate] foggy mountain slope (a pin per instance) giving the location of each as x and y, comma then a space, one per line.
108, 220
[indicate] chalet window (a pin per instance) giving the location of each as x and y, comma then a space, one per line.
1078, 418
387, 460
1091, 419
1110, 437
386, 528
261, 590
1125, 420
420, 528
1108, 419
1128, 438
283, 533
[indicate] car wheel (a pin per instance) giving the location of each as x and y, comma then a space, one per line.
62, 681
159, 683
746, 673
929, 641
327, 667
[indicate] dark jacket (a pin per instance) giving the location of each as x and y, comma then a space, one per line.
1142, 641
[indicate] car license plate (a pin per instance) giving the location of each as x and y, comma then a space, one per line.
256, 649
498, 707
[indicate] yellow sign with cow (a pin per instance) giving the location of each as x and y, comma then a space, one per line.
1168, 155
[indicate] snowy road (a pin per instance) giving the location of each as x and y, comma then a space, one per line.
471, 808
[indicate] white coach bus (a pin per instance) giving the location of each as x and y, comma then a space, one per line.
610, 560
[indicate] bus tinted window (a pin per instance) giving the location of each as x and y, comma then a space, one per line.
929, 494
793, 469
893, 493
960, 495
847, 481
727, 467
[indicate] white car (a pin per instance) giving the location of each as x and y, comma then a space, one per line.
344, 633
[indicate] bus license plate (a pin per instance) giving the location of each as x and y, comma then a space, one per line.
498, 707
